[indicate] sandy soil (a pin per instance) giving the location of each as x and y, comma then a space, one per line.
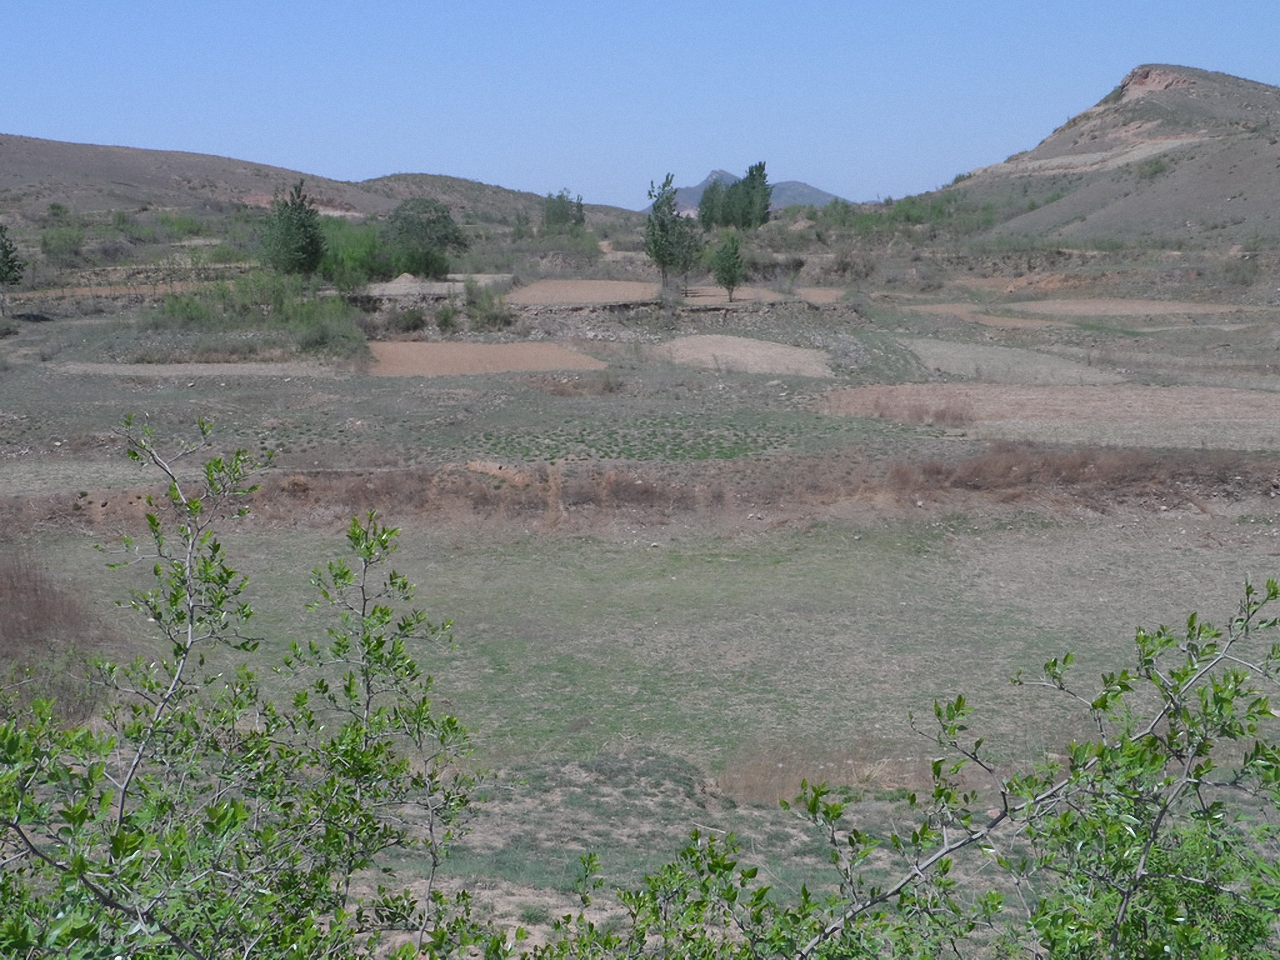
415, 359
1136, 416
743, 355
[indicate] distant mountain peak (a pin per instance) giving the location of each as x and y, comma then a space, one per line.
788, 193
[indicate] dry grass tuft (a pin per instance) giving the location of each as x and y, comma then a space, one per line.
774, 773
602, 384
46, 637
953, 413
1112, 473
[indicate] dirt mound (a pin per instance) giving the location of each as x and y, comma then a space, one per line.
743, 355
400, 359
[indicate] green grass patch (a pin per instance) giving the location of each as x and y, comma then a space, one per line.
263, 305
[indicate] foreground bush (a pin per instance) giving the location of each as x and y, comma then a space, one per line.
200, 818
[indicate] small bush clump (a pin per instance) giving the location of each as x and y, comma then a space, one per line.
486, 308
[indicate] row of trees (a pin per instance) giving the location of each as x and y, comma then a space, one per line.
197, 818
676, 244
416, 238
743, 204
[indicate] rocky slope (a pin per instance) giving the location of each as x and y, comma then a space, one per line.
1173, 156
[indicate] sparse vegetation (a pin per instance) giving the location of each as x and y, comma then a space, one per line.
486, 308
262, 308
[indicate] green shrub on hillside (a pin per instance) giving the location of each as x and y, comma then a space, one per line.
62, 246
562, 214
292, 241
941, 213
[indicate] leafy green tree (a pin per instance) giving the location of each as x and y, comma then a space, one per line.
293, 241
750, 198
726, 264
711, 206
670, 240
11, 265
743, 204
418, 234
562, 214
200, 819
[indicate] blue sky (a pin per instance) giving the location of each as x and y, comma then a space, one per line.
865, 99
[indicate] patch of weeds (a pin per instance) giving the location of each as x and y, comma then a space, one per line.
534, 914
264, 303
408, 320
447, 317
486, 307
1150, 169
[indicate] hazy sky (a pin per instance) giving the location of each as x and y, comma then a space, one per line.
864, 98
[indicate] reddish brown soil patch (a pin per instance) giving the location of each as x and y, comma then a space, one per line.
413, 359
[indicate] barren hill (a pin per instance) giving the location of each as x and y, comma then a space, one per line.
90, 178
1173, 154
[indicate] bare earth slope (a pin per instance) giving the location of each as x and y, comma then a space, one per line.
1172, 151
89, 177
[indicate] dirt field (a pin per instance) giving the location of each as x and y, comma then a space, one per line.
743, 355
411, 359
1122, 414
712, 352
